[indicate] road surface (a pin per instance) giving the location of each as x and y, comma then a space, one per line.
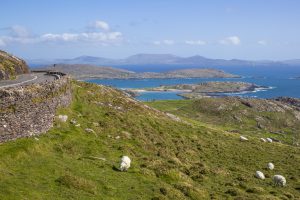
26, 79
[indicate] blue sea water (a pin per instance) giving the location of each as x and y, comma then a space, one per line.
279, 79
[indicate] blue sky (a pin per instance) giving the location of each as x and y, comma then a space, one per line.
247, 29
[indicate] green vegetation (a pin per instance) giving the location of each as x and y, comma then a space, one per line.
254, 117
11, 66
170, 159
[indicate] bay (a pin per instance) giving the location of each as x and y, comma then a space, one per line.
278, 79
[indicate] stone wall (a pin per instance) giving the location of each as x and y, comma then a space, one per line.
30, 110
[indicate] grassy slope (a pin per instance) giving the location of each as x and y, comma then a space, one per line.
231, 115
170, 160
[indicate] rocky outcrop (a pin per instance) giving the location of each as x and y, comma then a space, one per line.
289, 100
30, 110
10, 66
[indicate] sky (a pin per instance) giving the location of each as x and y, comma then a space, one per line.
241, 29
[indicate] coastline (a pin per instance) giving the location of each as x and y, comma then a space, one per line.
189, 94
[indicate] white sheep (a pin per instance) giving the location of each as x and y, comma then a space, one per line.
263, 140
125, 163
279, 180
259, 175
270, 166
242, 138
269, 140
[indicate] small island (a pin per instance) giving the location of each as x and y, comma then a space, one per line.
206, 89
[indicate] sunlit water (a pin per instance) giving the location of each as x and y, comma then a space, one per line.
278, 79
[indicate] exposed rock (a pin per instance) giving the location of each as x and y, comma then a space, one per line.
89, 130
175, 118
63, 118
289, 100
260, 126
96, 124
126, 134
10, 66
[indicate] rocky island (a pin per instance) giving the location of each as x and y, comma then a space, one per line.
199, 90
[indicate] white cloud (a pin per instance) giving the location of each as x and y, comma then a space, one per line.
157, 42
6, 40
100, 25
66, 37
232, 40
262, 42
168, 42
107, 37
19, 31
100, 35
164, 42
195, 42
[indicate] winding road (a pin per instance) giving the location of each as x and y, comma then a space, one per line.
26, 79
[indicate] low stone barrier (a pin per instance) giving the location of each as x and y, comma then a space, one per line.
30, 110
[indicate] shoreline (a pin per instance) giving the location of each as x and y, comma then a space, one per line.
182, 93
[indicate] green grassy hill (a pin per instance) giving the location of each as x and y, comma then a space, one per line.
171, 159
11, 66
278, 119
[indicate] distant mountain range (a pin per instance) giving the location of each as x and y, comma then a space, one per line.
161, 59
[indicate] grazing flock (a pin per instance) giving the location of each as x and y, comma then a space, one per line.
278, 180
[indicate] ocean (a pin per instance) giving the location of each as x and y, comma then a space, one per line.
279, 79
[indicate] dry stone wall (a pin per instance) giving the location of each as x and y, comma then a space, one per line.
30, 110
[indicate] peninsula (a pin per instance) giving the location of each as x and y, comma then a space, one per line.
84, 72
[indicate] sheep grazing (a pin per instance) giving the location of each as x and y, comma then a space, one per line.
263, 140
242, 138
279, 180
259, 175
269, 140
125, 163
270, 166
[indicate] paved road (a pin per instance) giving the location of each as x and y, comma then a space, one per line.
26, 79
